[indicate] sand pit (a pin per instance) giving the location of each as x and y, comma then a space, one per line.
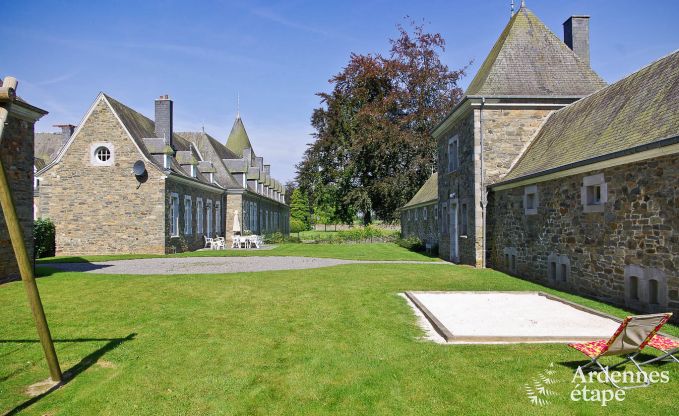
509, 317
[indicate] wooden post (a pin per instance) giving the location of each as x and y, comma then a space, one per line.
25, 265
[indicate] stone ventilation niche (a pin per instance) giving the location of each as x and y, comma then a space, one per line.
510, 259
645, 288
558, 269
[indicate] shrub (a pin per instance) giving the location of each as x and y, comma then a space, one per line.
411, 243
297, 226
44, 238
275, 238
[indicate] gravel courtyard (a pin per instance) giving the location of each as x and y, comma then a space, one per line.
211, 265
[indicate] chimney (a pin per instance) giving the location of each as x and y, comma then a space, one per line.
247, 155
164, 119
66, 131
576, 36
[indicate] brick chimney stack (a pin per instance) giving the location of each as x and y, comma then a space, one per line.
66, 131
576, 36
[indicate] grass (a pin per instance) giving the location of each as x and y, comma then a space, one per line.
376, 251
335, 340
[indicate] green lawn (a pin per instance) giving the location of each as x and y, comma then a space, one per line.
377, 251
329, 341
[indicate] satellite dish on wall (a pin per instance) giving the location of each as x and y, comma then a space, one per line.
139, 168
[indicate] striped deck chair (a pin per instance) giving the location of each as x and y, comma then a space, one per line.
628, 340
668, 346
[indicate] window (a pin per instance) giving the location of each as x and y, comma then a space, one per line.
188, 216
409, 215
415, 213
463, 220
218, 218
594, 193
209, 218
199, 216
510, 254
174, 215
424, 213
436, 212
452, 154
530, 200
558, 269
101, 154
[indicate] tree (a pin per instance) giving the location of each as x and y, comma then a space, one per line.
372, 147
290, 186
299, 208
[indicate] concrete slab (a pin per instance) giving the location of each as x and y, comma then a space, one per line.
510, 317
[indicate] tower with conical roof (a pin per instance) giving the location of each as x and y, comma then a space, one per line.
238, 139
528, 74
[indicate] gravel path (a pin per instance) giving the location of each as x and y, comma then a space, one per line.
212, 265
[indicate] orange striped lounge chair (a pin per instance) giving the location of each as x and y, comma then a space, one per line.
633, 334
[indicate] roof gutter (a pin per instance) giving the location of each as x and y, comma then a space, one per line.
610, 156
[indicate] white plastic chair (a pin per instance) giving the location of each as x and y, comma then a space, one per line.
208, 242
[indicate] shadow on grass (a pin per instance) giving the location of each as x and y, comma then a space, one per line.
72, 372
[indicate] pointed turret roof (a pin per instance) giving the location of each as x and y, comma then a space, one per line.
529, 60
238, 138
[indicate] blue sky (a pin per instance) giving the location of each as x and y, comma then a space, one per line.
276, 54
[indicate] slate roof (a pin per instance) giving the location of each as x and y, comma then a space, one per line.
529, 60
640, 109
429, 192
238, 139
141, 128
47, 145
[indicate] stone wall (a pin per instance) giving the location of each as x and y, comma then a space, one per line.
421, 222
16, 151
506, 133
194, 240
101, 209
457, 188
627, 253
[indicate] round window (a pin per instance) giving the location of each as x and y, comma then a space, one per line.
103, 154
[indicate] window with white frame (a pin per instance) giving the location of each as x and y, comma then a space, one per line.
218, 217
208, 207
101, 154
188, 215
199, 216
530, 200
453, 144
594, 193
174, 215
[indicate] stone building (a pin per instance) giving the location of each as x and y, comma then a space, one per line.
548, 174
419, 217
124, 183
16, 151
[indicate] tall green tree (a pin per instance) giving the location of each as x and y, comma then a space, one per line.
299, 207
372, 147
